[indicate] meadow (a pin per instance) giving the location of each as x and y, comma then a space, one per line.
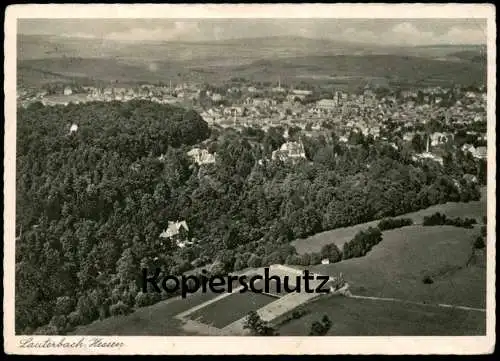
156, 320
397, 265
339, 236
358, 317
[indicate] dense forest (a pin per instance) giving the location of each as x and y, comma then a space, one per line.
91, 204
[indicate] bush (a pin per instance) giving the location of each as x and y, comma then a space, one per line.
435, 219
305, 259
428, 280
74, 318
298, 312
392, 223
60, 323
479, 243
119, 308
142, 300
257, 326
64, 305
293, 260
362, 243
321, 328
315, 258
331, 252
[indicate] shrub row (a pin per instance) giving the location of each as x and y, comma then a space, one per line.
392, 223
362, 243
439, 219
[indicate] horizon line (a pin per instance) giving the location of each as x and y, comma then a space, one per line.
215, 41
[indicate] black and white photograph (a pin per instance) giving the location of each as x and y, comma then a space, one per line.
242, 175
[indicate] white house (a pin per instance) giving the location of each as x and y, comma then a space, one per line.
73, 129
174, 228
325, 261
468, 148
439, 138
67, 91
289, 150
201, 156
174, 232
480, 153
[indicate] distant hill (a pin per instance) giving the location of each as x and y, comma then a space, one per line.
470, 55
39, 47
42, 59
341, 69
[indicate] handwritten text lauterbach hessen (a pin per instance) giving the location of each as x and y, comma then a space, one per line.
53, 342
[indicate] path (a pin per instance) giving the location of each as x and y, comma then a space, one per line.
417, 303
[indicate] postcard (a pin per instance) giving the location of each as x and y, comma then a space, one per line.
249, 179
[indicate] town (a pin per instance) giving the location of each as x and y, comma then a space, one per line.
433, 117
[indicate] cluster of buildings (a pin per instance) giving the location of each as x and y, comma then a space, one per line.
155, 93
345, 113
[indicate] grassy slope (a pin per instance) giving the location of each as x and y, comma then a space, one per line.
339, 236
157, 319
358, 317
394, 269
397, 265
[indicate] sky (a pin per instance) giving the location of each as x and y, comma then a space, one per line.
379, 31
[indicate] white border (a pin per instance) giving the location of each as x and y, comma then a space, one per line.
246, 345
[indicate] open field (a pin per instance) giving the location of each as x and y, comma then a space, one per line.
339, 236
396, 266
231, 308
359, 317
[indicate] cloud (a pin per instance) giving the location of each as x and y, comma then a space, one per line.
375, 31
457, 35
181, 30
406, 33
